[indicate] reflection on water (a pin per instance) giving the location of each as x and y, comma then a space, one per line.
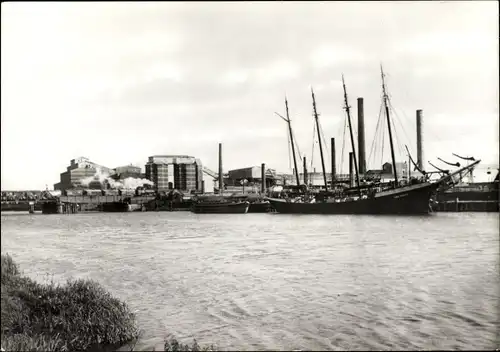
274, 281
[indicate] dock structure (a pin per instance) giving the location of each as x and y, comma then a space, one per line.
458, 206
77, 203
104, 199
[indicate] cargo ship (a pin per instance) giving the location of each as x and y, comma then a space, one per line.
393, 197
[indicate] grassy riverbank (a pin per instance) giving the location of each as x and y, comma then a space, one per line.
78, 316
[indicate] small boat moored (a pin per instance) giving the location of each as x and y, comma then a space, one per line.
220, 207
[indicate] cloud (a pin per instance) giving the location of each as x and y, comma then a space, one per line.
235, 77
327, 55
180, 77
278, 70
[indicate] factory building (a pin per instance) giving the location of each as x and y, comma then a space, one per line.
252, 175
79, 169
158, 174
187, 172
401, 169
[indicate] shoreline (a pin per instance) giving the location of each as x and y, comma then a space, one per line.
79, 315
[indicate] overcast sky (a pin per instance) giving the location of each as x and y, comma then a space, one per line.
118, 82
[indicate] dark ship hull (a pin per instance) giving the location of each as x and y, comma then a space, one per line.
220, 208
19, 206
259, 207
114, 207
405, 200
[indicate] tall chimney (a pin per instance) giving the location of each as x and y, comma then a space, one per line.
334, 168
351, 169
221, 177
305, 171
263, 177
361, 137
420, 153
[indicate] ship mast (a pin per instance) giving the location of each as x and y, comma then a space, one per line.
289, 122
319, 139
347, 108
293, 145
385, 97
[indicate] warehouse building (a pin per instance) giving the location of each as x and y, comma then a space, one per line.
252, 175
187, 172
79, 169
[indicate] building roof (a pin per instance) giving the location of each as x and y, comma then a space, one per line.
127, 167
172, 159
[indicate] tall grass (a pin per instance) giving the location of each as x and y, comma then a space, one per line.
77, 316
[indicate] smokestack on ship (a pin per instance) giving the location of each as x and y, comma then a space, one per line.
334, 169
361, 137
420, 153
305, 171
221, 177
263, 177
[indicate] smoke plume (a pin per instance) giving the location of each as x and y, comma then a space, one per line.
128, 183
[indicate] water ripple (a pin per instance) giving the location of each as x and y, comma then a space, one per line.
279, 282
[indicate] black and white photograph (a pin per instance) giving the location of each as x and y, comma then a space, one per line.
250, 176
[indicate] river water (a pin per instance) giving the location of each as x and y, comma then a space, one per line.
281, 282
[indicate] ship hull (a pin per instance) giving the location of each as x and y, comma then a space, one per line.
114, 207
412, 200
220, 208
259, 207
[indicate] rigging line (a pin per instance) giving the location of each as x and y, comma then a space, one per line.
343, 145
395, 133
289, 152
296, 144
400, 123
325, 144
375, 137
399, 120
398, 142
383, 141
338, 136
312, 152
405, 118
428, 130
401, 144
382, 132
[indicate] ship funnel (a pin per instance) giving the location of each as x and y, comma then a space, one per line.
263, 177
361, 137
221, 176
334, 169
305, 170
420, 156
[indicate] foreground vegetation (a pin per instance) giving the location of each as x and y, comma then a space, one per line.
78, 316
